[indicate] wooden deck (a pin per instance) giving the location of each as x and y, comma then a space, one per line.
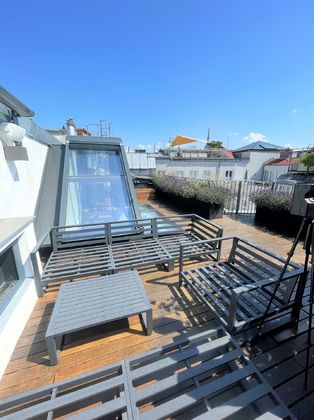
280, 356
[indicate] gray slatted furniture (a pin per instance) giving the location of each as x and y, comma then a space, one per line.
200, 376
84, 304
98, 249
238, 289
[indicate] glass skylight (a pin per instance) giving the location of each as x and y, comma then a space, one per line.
97, 188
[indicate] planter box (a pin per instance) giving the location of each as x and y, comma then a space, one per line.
281, 221
192, 205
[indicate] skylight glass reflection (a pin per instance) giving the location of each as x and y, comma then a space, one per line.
97, 188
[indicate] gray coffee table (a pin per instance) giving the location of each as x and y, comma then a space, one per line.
86, 303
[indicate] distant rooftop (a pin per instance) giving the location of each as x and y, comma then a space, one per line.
259, 145
283, 162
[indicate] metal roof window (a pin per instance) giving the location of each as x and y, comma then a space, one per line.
97, 187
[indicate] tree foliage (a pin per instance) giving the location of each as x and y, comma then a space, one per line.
308, 160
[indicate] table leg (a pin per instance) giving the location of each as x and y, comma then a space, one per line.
147, 318
52, 350
170, 265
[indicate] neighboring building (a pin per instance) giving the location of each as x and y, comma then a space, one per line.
277, 167
296, 165
257, 154
288, 163
214, 169
69, 129
142, 163
45, 183
245, 163
193, 153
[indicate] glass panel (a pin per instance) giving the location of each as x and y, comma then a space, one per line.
95, 162
8, 273
97, 189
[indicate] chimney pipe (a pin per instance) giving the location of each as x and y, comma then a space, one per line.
70, 125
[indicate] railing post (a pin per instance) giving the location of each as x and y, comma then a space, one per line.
239, 197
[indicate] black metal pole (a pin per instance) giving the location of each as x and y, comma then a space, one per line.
284, 269
309, 329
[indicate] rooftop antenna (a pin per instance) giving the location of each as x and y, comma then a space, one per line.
102, 128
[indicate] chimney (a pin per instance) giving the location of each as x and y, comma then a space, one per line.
71, 129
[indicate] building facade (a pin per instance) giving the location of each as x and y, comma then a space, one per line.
141, 163
243, 164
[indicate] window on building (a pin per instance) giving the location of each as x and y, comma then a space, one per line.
8, 273
228, 175
97, 189
193, 174
207, 174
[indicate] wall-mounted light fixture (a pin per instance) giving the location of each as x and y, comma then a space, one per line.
11, 136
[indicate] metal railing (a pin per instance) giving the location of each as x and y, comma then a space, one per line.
239, 200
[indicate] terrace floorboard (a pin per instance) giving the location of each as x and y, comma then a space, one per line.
279, 356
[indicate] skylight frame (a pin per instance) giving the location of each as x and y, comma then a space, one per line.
106, 144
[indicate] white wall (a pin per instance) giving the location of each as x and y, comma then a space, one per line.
20, 180
210, 169
17, 307
19, 187
272, 172
140, 160
256, 162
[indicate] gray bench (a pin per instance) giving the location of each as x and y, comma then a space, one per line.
84, 304
197, 376
91, 250
237, 290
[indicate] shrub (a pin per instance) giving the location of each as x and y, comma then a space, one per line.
273, 200
308, 160
186, 189
211, 194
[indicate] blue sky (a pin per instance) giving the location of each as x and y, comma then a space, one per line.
244, 68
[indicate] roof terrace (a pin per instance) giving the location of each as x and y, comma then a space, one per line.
279, 356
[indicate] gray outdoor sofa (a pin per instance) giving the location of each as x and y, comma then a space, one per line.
83, 251
197, 376
237, 290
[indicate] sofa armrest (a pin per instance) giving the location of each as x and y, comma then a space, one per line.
184, 248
